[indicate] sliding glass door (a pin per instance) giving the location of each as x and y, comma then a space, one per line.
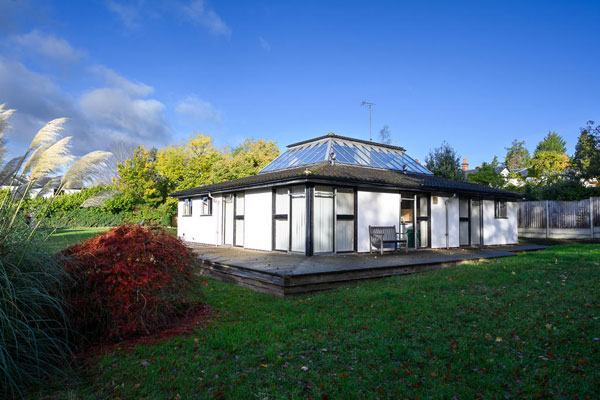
323, 225
344, 220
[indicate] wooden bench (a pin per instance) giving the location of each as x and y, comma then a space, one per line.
379, 236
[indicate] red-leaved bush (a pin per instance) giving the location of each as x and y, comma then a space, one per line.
128, 281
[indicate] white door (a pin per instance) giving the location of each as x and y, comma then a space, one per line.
323, 219
475, 222
298, 219
228, 220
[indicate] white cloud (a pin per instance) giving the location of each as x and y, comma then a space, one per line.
121, 110
199, 13
112, 79
264, 44
196, 108
47, 46
129, 14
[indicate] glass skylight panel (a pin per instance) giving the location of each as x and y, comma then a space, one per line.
346, 151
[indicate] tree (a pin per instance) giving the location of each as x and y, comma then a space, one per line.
488, 176
553, 143
547, 166
245, 160
586, 160
121, 151
384, 135
517, 156
443, 161
188, 164
140, 179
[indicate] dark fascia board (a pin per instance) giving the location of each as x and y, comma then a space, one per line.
333, 135
356, 183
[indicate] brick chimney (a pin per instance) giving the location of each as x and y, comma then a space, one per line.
417, 160
465, 165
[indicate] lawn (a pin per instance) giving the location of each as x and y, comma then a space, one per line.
65, 237
525, 326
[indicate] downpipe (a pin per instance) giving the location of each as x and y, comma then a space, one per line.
447, 234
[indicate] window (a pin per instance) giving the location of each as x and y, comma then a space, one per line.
206, 206
500, 209
187, 207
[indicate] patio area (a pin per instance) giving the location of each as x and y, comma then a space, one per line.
283, 274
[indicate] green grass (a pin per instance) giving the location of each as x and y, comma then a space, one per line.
65, 237
525, 326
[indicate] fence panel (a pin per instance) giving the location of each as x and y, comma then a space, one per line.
569, 214
532, 214
596, 214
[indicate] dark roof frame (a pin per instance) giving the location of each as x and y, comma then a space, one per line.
333, 135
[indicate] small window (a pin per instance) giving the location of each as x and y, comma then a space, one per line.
187, 207
500, 209
206, 206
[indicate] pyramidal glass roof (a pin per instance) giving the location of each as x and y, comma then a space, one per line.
344, 150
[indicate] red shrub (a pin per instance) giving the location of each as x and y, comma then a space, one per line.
128, 281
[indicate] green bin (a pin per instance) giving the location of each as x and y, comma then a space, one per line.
411, 238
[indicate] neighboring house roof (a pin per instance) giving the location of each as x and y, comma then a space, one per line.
354, 175
345, 150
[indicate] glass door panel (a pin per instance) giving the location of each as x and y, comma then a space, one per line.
228, 220
423, 221
463, 228
298, 219
282, 228
407, 214
323, 219
344, 225
475, 222
239, 219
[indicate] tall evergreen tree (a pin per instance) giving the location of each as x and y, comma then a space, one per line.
517, 155
553, 143
443, 161
586, 160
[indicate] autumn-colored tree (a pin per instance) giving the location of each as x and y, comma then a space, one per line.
188, 164
547, 166
245, 160
140, 179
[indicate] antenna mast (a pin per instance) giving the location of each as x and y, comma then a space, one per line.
366, 103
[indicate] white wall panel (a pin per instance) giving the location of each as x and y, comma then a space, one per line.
376, 208
199, 228
258, 219
438, 223
500, 230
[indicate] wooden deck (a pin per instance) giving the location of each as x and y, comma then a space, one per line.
283, 274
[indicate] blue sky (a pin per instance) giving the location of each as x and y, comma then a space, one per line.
476, 74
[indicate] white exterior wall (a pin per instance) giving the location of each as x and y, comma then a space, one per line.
205, 229
438, 223
258, 220
500, 230
376, 208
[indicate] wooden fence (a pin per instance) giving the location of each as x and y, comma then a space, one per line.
560, 219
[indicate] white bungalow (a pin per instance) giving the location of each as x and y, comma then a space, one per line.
322, 194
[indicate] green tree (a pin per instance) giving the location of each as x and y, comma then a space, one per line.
548, 166
140, 179
443, 161
553, 143
245, 160
188, 164
517, 155
487, 175
586, 160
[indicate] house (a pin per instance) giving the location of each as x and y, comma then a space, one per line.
505, 172
322, 194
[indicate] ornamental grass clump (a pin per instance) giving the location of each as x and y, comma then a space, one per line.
129, 281
34, 327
